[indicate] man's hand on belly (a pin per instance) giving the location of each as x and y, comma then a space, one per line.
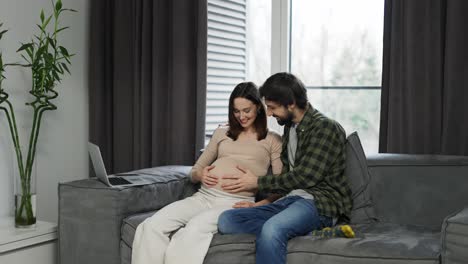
244, 181
243, 204
248, 204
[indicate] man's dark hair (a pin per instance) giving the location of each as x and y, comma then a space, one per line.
285, 89
249, 91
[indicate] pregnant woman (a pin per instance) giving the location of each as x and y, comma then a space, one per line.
245, 144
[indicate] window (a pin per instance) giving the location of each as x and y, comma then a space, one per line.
239, 37
336, 50
334, 47
226, 57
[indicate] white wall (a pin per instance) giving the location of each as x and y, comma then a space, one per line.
62, 154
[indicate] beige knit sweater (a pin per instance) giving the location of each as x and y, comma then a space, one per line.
225, 154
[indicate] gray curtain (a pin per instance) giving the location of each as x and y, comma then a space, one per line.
425, 77
147, 88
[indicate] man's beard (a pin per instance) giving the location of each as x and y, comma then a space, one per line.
285, 121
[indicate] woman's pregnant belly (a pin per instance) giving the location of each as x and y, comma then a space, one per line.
227, 166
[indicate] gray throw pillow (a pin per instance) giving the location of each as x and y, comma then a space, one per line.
356, 171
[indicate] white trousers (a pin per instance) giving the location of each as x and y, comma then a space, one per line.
196, 220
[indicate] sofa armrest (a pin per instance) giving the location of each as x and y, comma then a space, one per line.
454, 247
91, 214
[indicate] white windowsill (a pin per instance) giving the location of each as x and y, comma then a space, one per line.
12, 238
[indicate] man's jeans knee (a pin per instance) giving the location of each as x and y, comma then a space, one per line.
274, 224
226, 222
239, 221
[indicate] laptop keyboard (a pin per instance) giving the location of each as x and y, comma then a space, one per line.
118, 181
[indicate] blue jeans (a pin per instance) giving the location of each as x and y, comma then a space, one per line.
274, 224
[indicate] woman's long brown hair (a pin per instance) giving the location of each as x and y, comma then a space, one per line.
249, 91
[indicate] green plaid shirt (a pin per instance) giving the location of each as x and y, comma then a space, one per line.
319, 165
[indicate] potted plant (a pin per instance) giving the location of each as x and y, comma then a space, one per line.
48, 61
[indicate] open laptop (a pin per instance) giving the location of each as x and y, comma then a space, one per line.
110, 180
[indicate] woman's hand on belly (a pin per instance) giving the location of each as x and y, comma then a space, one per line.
208, 179
223, 167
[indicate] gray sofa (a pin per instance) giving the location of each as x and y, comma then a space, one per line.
407, 209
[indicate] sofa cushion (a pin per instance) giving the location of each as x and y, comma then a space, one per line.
375, 243
231, 249
356, 170
241, 247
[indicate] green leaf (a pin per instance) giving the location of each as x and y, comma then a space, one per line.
58, 5
40, 51
3, 32
26, 59
64, 65
30, 52
56, 76
42, 15
17, 64
49, 57
68, 9
51, 42
61, 29
41, 29
47, 21
56, 69
63, 51
25, 46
